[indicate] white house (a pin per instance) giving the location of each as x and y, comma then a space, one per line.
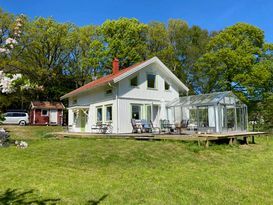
140, 91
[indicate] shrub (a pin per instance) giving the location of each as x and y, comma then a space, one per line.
4, 139
2, 118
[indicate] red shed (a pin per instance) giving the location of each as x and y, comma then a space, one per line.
46, 113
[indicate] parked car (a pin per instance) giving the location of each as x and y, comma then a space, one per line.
16, 118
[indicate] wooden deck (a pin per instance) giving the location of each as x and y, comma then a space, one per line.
200, 138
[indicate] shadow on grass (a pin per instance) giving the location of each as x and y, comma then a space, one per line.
30, 197
96, 202
16, 197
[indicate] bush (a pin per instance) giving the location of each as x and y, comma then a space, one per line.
4, 139
2, 118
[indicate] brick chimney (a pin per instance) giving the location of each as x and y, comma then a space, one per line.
115, 66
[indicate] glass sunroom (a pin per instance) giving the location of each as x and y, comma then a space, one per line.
211, 113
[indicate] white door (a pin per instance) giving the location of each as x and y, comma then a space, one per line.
53, 117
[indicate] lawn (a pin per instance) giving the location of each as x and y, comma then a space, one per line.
116, 171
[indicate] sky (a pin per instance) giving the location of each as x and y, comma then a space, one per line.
208, 14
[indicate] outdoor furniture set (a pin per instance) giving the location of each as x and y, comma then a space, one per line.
142, 126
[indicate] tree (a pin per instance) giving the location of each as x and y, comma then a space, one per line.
87, 55
178, 46
231, 58
10, 33
45, 53
125, 39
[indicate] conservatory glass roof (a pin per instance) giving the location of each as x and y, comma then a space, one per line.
205, 99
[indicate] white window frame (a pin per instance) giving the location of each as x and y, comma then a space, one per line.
99, 107
108, 94
156, 86
106, 106
141, 110
168, 84
42, 112
134, 86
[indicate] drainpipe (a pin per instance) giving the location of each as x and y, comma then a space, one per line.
117, 103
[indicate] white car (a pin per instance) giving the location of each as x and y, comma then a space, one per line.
16, 118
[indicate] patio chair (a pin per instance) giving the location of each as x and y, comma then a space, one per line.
137, 126
154, 129
146, 126
166, 126
181, 126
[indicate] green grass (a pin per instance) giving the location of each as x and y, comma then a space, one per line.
116, 171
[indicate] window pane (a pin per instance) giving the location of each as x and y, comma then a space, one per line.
151, 81
108, 92
99, 114
149, 111
16, 114
44, 112
109, 113
136, 112
8, 115
167, 86
134, 81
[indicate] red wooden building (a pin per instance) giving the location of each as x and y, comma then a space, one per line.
46, 113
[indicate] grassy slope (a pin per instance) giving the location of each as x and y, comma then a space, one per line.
137, 172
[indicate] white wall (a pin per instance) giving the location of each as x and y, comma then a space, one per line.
142, 92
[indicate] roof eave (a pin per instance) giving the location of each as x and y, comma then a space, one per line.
83, 91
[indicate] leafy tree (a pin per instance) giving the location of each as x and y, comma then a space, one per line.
178, 46
231, 58
87, 55
45, 52
125, 39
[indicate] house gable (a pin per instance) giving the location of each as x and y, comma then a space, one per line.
116, 77
142, 91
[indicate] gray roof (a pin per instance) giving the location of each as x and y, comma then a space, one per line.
205, 99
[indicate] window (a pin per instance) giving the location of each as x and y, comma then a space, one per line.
108, 92
74, 101
99, 114
167, 86
109, 113
44, 112
134, 82
136, 112
148, 113
151, 81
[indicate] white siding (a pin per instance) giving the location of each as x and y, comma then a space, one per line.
142, 92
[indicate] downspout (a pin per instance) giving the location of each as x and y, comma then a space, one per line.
117, 103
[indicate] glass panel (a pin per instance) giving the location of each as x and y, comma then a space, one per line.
203, 117
134, 81
44, 112
108, 92
148, 113
151, 81
167, 86
193, 116
211, 116
136, 112
99, 114
109, 113
231, 119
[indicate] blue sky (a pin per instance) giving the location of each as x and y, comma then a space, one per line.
209, 14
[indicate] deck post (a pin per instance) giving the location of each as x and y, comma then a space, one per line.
235, 140
207, 143
230, 141
253, 139
245, 139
